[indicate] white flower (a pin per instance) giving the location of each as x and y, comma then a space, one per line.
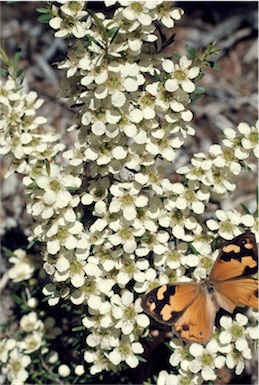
31, 342
15, 368
188, 197
137, 11
156, 242
164, 378
54, 196
30, 322
226, 224
248, 220
205, 360
74, 9
72, 25
173, 258
126, 352
54, 294
107, 340
126, 198
206, 259
167, 14
23, 266
235, 359
63, 233
180, 354
181, 74
251, 138
126, 313
53, 357
99, 360
124, 236
234, 331
6, 345
71, 268
179, 221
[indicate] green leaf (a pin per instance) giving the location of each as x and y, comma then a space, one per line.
115, 31
91, 39
209, 63
3, 72
97, 20
111, 32
47, 166
199, 77
16, 58
199, 90
31, 244
8, 252
19, 73
17, 299
191, 52
195, 97
246, 210
193, 249
4, 57
78, 329
71, 188
169, 41
46, 298
198, 93
44, 18
141, 359
32, 186
217, 67
42, 10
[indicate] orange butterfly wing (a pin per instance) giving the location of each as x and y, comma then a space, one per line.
190, 308
238, 258
184, 306
230, 273
231, 293
196, 322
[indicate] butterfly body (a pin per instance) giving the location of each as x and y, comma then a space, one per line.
190, 308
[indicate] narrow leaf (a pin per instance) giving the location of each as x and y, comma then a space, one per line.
246, 210
44, 18
191, 52
42, 10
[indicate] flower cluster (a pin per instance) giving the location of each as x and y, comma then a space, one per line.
133, 119
20, 133
113, 223
23, 267
198, 363
217, 169
16, 353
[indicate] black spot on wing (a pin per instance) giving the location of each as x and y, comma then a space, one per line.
166, 300
241, 241
151, 298
185, 327
249, 270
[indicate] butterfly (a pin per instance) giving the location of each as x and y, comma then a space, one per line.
190, 308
